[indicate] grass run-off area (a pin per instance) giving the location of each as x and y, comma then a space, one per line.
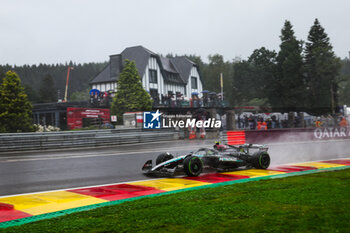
317, 202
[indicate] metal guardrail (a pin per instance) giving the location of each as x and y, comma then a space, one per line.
87, 138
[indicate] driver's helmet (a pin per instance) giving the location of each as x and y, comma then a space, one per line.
219, 146
217, 143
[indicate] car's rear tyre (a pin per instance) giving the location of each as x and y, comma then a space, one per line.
163, 157
193, 166
261, 160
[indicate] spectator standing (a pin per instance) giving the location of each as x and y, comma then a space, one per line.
273, 121
269, 123
258, 126
246, 122
264, 125
318, 123
343, 122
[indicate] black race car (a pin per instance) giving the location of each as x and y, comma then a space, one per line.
220, 158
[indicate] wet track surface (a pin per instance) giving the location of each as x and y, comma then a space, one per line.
51, 170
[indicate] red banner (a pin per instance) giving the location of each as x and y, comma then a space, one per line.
75, 116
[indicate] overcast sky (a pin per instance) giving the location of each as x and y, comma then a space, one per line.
42, 31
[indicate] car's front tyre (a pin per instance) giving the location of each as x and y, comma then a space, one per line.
261, 160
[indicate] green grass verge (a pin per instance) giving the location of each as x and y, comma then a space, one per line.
317, 202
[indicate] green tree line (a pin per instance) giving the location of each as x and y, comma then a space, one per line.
46, 83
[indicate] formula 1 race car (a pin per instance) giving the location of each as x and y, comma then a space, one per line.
221, 158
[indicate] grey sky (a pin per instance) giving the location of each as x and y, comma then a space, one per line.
42, 31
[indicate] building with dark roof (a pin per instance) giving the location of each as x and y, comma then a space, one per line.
159, 75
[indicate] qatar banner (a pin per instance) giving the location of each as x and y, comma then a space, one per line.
298, 134
76, 116
331, 133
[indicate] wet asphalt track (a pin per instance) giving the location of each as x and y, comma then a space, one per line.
27, 172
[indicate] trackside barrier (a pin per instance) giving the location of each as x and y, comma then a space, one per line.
289, 135
235, 137
88, 138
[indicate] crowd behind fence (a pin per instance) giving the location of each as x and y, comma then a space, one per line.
252, 121
104, 99
179, 101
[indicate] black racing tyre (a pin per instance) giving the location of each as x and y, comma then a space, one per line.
193, 166
261, 160
163, 157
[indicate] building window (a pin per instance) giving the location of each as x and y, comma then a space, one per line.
194, 83
153, 93
153, 76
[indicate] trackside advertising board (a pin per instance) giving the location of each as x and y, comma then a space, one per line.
75, 116
309, 134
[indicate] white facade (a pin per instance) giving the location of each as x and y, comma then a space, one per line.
161, 86
194, 73
147, 85
175, 88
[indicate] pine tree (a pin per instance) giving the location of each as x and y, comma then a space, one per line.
2, 75
47, 91
322, 69
130, 96
290, 81
15, 109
